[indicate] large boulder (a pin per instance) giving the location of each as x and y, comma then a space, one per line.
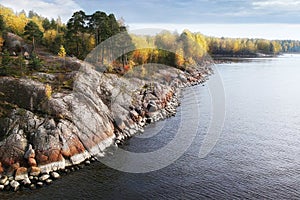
16, 45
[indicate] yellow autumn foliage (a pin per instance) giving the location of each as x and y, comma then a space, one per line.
15, 23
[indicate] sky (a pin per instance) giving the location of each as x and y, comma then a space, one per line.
271, 19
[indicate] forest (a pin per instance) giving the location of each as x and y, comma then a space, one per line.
83, 32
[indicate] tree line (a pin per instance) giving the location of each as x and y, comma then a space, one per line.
79, 36
83, 32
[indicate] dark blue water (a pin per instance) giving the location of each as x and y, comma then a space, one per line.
257, 155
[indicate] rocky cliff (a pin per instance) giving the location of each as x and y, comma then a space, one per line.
44, 130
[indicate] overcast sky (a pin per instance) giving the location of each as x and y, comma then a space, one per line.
281, 16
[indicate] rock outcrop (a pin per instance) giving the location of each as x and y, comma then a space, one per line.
43, 130
15, 45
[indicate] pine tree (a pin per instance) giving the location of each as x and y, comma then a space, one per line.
33, 32
76, 28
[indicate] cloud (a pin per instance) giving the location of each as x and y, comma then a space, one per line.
270, 31
46, 8
170, 11
277, 4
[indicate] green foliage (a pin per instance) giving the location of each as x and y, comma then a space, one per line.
12, 66
20, 62
46, 24
35, 62
2, 24
32, 14
6, 59
33, 32
98, 25
84, 32
76, 37
53, 24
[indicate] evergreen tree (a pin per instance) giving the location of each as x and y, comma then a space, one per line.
33, 32
76, 28
32, 14
46, 24
53, 24
98, 26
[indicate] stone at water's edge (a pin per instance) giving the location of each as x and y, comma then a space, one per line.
15, 185
35, 171
55, 175
21, 174
41, 134
44, 177
3, 180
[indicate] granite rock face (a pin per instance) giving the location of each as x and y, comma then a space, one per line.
43, 130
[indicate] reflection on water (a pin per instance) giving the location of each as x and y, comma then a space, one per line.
257, 155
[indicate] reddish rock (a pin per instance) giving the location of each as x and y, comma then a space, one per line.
35, 171
8, 161
41, 158
32, 162
1, 168
73, 150
21, 173
54, 156
10, 171
66, 152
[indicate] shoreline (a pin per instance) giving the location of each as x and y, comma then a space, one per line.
148, 110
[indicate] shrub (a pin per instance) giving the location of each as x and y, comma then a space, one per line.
35, 62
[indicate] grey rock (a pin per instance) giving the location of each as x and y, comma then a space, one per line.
48, 181
87, 162
44, 177
32, 186
39, 184
6, 183
55, 175
26, 181
30, 153
3, 179
15, 185
120, 123
16, 45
